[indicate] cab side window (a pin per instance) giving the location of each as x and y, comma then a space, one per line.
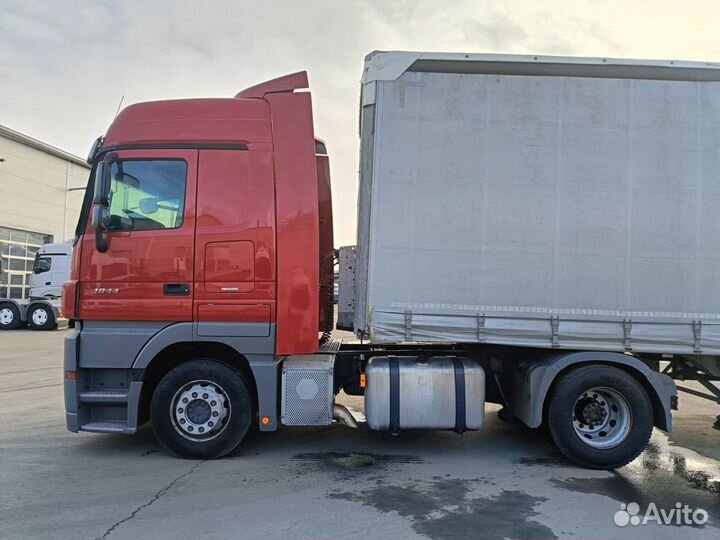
147, 194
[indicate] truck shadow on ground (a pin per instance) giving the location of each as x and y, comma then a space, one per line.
287, 442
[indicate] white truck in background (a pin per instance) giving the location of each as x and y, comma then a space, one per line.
42, 310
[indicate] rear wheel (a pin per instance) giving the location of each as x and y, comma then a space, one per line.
201, 409
41, 317
600, 417
9, 317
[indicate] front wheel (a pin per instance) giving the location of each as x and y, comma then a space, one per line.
41, 317
600, 416
201, 409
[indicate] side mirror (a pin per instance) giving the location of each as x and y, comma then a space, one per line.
100, 220
102, 180
100, 217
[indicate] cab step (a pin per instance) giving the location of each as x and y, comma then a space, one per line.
105, 397
105, 426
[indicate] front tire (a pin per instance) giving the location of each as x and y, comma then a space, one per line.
41, 317
201, 409
9, 317
600, 417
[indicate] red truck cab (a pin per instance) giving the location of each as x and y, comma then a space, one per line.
200, 237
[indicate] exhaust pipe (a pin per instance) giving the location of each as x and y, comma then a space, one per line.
342, 414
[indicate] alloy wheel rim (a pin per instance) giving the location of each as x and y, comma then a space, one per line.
602, 418
200, 410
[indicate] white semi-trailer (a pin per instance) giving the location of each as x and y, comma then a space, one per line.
41, 311
566, 207
569, 204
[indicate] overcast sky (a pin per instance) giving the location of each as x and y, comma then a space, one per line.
64, 65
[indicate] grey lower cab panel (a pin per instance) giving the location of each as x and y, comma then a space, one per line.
98, 348
114, 344
133, 344
424, 393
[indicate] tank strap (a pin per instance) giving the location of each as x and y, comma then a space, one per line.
394, 394
460, 422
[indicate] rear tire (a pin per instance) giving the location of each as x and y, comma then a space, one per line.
201, 409
600, 417
9, 317
41, 317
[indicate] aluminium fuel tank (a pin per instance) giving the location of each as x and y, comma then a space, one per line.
409, 392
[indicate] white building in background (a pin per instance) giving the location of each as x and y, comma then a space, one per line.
41, 191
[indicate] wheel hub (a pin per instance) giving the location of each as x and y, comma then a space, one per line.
39, 317
200, 410
592, 412
602, 417
6, 316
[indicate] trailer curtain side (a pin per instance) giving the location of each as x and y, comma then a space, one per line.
541, 210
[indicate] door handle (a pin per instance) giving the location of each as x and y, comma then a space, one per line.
176, 289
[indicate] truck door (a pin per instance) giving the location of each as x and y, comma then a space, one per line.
146, 273
235, 263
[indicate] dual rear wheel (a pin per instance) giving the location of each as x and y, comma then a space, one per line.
9, 317
599, 417
40, 316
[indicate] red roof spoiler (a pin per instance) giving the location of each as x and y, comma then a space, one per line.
286, 83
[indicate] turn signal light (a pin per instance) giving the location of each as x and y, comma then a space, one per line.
265, 420
362, 380
71, 375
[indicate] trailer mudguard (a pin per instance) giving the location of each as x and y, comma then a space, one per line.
533, 380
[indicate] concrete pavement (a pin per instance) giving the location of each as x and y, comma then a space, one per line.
505, 481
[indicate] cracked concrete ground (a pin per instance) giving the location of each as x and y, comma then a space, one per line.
502, 482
